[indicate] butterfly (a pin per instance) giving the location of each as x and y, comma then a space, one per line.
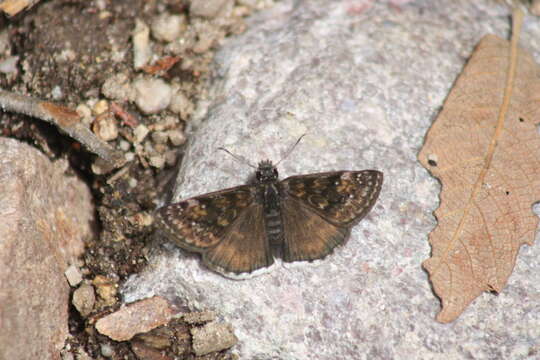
302, 218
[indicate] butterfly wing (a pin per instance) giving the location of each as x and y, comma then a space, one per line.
320, 209
244, 247
226, 227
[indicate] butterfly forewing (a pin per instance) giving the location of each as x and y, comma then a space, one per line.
318, 210
342, 197
199, 223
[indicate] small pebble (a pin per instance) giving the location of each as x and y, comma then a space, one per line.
166, 27
130, 156
148, 148
171, 157
180, 104
177, 137
100, 107
157, 161
140, 133
159, 137
168, 122
141, 44
118, 87
106, 289
152, 95
206, 8
57, 93
160, 148
124, 145
132, 182
105, 127
84, 299
85, 113
67, 55
106, 350
212, 337
73, 275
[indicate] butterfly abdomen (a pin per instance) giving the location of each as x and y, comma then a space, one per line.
273, 222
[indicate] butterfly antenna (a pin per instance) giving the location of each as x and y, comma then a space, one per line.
291, 149
237, 157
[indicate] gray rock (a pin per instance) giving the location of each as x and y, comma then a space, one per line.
45, 217
365, 87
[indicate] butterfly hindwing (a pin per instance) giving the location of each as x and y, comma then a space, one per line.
307, 236
243, 247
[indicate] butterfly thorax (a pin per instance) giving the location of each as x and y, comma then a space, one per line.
269, 194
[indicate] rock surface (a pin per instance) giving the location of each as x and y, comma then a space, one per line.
364, 80
45, 217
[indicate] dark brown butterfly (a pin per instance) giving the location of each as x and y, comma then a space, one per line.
302, 218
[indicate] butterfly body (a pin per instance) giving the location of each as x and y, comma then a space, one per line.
302, 218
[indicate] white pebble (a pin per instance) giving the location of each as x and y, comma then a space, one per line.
85, 113
57, 93
177, 137
141, 44
152, 95
124, 145
140, 133
106, 350
168, 27
130, 156
132, 182
180, 104
73, 275
157, 161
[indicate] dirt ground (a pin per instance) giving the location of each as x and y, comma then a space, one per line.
65, 51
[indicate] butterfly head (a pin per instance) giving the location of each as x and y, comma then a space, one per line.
266, 172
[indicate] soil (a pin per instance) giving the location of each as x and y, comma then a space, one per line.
67, 50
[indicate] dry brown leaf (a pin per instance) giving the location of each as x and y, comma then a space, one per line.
485, 149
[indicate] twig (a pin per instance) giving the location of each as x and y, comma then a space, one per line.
65, 119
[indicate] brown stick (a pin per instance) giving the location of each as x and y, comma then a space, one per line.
65, 119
